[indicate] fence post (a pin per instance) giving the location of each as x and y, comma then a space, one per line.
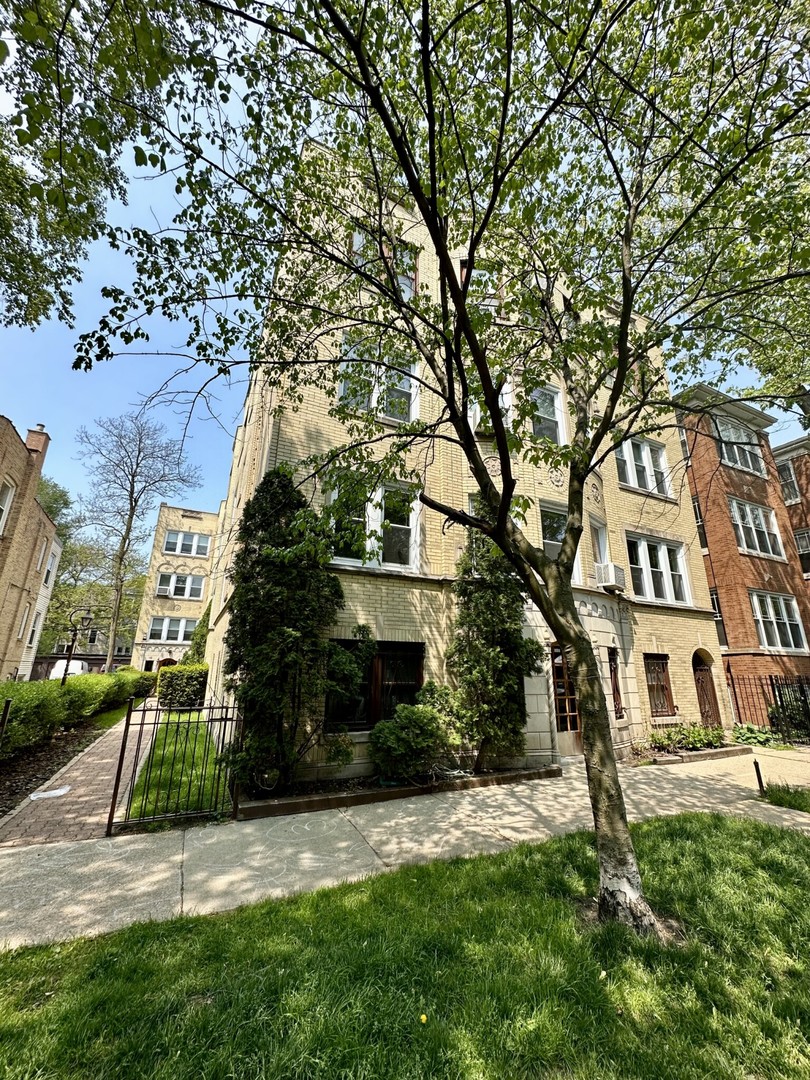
120, 769
4, 720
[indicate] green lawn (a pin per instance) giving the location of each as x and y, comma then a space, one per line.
795, 798
111, 717
491, 950
180, 772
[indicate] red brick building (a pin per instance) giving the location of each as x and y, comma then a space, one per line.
793, 464
746, 532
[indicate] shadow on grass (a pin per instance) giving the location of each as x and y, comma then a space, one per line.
490, 950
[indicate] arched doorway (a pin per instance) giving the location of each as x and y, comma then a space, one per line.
165, 662
704, 685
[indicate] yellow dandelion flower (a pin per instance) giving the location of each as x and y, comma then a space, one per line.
423, 1018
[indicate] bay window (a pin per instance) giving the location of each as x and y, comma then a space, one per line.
777, 621
755, 528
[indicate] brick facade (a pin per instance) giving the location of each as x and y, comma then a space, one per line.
29, 549
733, 570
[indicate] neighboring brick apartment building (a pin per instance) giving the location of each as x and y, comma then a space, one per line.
177, 588
29, 549
793, 464
753, 566
640, 584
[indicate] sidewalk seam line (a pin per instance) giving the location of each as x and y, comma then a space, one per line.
365, 839
183, 873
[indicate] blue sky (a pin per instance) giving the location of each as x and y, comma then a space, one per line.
38, 384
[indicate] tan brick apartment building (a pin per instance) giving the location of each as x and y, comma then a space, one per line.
793, 465
29, 549
178, 586
750, 552
640, 585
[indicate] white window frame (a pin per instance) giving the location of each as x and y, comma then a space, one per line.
775, 610
559, 413
374, 517
647, 566
49, 568
7, 493
170, 590
738, 446
185, 629
475, 414
802, 538
378, 376
42, 551
195, 543
34, 627
789, 481
599, 526
749, 521
24, 622
653, 461
558, 508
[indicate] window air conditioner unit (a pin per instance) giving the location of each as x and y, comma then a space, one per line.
610, 576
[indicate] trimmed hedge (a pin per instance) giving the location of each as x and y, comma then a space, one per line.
39, 709
182, 686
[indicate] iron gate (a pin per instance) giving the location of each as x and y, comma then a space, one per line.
173, 765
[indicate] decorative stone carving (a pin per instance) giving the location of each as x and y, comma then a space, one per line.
493, 465
556, 476
596, 493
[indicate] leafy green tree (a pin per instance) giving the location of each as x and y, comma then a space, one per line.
489, 656
284, 603
624, 182
196, 650
57, 503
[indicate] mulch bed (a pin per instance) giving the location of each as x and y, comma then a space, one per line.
33, 766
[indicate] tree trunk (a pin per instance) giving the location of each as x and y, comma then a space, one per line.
621, 897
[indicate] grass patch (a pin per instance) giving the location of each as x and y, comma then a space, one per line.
111, 717
794, 798
180, 773
491, 950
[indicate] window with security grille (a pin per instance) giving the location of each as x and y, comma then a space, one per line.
656, 670
565, 698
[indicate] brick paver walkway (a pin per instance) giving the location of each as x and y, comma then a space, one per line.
81, 814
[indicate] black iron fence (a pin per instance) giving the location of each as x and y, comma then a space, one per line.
780, 703
173, 764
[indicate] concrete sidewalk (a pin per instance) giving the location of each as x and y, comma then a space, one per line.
54, 892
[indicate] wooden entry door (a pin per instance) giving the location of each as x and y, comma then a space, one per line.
569, 729
706, 694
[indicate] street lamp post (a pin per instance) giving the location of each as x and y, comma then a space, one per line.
83, 623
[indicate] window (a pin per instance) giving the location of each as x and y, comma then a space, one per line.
34, 628
180, 586
642, 464
41, 558
701, 528
484, 288
738, 446
392, 515
406, 268
565, 698
92, 637
24, 621
683, 436
149, 665
366, 384
787, 478
656, 568
755, 528
552, 523
49, 571
166, 629
482, 424
599, 544
6, 496
656, 669
803, 544
547, 422
718, 617
615, 685
183, 543
393, 677
778, 624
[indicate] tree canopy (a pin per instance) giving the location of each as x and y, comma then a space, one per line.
624, 183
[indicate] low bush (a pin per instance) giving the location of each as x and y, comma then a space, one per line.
39, 709
414, 743
682, 737
754, 736
791, 721
182, 686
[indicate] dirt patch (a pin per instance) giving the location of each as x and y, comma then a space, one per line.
34, 766
671, 931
